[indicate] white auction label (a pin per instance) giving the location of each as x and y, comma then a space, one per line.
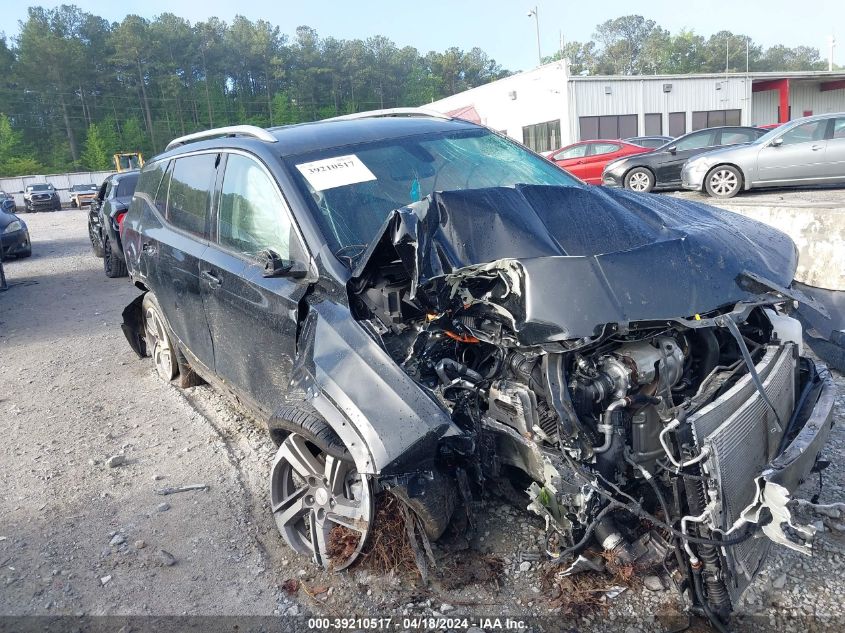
335, 172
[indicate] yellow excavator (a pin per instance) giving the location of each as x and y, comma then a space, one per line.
128, 161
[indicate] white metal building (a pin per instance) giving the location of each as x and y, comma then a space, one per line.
547, 107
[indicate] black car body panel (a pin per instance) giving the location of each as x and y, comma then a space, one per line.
666, 163
112, 199
13, 243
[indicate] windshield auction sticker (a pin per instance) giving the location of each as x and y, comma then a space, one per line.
335, 172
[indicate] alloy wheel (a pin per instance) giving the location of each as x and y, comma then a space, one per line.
321, 505
158, 343
639, 181
723, 182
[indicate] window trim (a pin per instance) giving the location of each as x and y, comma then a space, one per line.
171, 167
214, 229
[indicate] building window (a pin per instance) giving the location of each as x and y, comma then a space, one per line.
614, 126
653, 124
677, 124
715, 118
542, 137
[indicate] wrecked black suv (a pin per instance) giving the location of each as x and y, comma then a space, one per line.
418, 304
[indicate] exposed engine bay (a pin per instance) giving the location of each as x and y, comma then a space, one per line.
646, 437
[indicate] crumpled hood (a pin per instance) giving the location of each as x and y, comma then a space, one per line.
571, 259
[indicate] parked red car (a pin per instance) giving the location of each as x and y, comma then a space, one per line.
586, 159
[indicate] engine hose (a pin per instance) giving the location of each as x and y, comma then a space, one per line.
699, 592
461, 370
717, 593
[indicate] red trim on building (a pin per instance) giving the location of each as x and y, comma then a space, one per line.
782, 86
832, 85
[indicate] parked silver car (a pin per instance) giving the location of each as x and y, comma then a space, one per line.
805, 151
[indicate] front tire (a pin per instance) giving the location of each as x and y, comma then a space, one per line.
640, 180
313, 493
723, 181
113, 266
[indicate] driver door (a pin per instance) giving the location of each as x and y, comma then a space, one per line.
796, 155
253, 319
669, 171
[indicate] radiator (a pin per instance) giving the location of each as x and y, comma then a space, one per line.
742, 435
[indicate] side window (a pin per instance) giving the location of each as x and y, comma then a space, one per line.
109, 187
604, 148
149, 181
733, 137
189, 192
696, 141
573, 152
161, 193
806, 132
838, 128
252, 214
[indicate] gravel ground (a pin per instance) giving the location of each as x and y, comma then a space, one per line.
79, 537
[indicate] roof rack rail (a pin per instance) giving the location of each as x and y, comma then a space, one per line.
388, 112
251, 131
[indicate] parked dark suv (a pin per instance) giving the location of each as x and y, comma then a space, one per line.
105, 217
41, 197
417, 304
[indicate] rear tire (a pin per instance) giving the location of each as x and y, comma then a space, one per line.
640, 180
112, 264
157, 339
96, 245
723, 181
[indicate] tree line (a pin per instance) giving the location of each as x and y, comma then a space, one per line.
633, 45
75, 88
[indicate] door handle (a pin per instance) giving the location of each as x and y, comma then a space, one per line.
816, 148
212, 281
149, 248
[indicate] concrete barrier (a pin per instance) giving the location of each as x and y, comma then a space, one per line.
818, 230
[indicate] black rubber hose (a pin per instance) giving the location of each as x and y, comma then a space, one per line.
461, 370
699, 592
710, 346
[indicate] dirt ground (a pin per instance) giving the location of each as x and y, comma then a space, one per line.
80, 537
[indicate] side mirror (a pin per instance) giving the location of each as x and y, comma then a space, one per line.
777, 142
673, 149
276, 266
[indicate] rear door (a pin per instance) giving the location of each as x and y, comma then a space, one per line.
253, 319
834, 157
177, 247
668, 173
598, 155
799, 157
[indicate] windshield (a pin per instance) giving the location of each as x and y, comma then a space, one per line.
354, 188
771, 134
40, 187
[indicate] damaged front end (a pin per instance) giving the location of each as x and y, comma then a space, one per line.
624, 370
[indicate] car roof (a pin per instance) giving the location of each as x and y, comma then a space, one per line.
304, 138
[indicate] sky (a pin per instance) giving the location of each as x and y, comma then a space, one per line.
502, 28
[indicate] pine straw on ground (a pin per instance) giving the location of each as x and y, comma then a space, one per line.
388, 548
583, 593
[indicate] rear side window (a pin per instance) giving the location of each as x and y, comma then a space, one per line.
253, 215
126, 186
149, 181
604, 148
190, 188
733, 137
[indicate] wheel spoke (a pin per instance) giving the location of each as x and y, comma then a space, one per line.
295, 451
291, 509
336, 471
319, 541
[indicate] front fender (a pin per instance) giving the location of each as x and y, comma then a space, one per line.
387, 421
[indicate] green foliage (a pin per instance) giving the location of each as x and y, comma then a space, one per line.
82, 88
95, 155
14, 159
